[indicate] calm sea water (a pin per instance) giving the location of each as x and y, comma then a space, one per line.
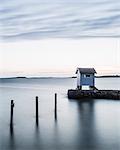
80, 125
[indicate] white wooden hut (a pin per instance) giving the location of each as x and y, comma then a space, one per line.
85, 77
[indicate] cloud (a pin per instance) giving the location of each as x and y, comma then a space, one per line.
37, 19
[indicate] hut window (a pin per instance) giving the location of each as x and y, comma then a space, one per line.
87, 75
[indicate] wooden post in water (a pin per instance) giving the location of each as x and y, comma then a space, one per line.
37, 110
11, 114
55, 105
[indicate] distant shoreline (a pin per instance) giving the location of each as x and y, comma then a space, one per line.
104, 76
108, 76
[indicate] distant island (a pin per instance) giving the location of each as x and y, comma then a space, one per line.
104, 76
21, 77
108, 76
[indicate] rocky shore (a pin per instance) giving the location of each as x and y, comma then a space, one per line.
98, 94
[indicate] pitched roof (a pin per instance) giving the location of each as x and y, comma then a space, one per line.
86, 70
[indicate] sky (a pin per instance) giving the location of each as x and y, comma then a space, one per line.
53, 38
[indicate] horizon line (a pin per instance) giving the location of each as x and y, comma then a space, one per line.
31, 77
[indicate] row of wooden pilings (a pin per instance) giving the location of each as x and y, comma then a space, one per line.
37, 110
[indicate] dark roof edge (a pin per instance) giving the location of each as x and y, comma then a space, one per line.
86, 70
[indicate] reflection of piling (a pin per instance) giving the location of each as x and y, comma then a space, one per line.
11, 115
37, 110
11, 130
55, 105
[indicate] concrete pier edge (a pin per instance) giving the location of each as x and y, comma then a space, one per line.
97, 94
